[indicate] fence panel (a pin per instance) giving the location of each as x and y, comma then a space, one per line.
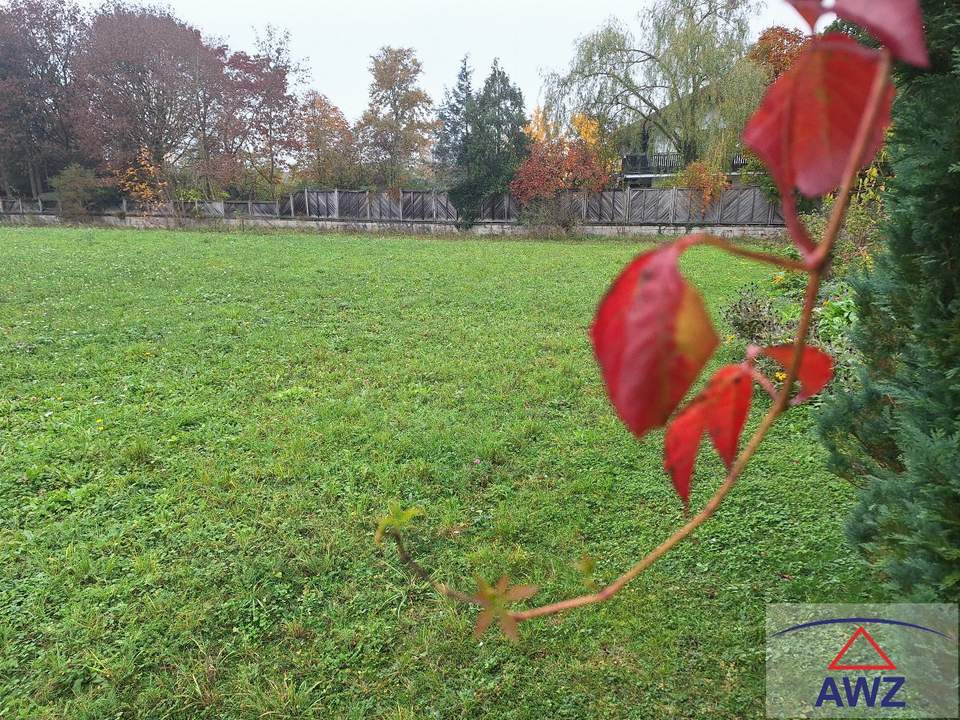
486, 210
593, 202
352, 205
446, 212
363, 205
613, 207
264, 209
235, 209
571, 204
498, 208
778, 215
660, 206
643, 206
763, 210
738, 205
417, 205
385, 206
687, 208
710, 216
322, 203
635, 206
503, 208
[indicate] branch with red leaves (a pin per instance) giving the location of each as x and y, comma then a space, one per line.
819, 124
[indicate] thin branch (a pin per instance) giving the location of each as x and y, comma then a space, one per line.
768, 258
783, 398
817, 266
764, 382
418, 570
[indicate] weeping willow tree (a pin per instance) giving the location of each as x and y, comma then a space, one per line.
682, 80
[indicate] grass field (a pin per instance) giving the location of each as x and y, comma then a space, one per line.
198, 431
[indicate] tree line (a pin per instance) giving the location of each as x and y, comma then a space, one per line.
129, 99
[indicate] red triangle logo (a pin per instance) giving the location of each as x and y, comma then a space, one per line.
861, 632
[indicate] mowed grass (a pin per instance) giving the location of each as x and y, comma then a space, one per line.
198, 433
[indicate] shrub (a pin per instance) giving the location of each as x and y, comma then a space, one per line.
899, 434
555, 166
861, 235
767, 315
833, 322
706, 179
550, 213
77, 189
754, 318
144, 181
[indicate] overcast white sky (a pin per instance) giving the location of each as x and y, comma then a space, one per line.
336, 39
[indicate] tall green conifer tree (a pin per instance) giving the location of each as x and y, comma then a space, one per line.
454, 118
494, 144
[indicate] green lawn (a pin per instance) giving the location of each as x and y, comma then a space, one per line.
198, 432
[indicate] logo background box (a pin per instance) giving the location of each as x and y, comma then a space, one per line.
910, 641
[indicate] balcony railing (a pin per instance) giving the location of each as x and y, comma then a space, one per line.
659, 164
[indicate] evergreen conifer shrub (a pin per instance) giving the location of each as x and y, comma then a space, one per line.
898, 431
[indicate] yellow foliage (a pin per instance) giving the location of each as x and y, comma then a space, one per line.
540, 129
144, 181
587, 129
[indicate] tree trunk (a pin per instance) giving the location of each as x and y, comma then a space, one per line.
34, 178
5, 184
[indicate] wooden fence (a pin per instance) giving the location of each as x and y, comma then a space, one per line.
737, 206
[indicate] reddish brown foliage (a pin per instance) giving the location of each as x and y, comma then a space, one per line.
557, 165
709, 181
816, 368
776, 50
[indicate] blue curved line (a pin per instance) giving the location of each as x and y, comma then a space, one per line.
861, 621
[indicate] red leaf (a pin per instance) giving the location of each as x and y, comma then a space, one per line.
721, 408
731, 393
816, 368
806, 126
898, 24
811, 10
681, 444
652, 337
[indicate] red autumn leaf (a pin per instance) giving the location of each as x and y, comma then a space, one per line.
898, 24
681, 444
805, 128
721, 409
731, 393
811, 10
816, 368
652, 337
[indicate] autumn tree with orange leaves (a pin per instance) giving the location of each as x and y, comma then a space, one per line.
327, 154
555, 166
558, 164
776, 50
